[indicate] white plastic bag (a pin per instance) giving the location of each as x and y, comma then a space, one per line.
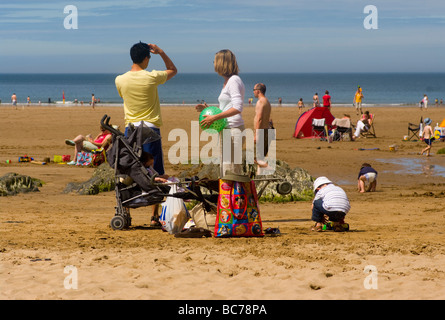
174, 214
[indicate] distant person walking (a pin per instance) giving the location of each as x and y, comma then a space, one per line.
358, 100
428, 137
425, 101
14, 100
327, 100
300, 105
93, 100
316, 100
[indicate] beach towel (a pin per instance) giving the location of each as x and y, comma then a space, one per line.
238, 214
84, 158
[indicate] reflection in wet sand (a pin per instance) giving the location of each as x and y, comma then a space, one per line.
416, 166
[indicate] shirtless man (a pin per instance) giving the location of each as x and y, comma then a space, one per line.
93, 100
316, 100
14, 100
261, 120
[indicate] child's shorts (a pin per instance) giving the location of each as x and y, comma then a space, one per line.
371, 176
428, 141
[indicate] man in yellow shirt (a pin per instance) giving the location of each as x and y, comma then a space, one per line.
358, 99
139, 90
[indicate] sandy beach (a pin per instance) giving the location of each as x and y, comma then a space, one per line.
398, 230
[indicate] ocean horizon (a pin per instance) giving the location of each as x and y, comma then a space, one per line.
389, 89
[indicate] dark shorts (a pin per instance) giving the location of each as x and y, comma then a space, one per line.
428, 141
155, 149
318, 213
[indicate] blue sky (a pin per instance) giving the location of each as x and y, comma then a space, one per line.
266, 36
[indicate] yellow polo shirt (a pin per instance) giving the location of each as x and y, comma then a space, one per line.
139, 89
358, 95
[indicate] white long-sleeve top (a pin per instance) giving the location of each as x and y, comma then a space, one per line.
232, 96
334, 198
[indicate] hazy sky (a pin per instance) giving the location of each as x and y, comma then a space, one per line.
266, 36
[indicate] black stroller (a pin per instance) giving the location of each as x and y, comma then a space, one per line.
134, 185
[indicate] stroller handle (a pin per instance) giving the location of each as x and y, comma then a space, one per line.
105, 123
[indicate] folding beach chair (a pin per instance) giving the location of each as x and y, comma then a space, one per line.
343, 127
370, 133
414, 130
318, 128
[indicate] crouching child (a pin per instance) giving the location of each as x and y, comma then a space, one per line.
330, 204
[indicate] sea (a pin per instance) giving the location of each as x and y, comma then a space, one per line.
379, 89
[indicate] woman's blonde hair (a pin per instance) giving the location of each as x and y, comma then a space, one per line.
225, 63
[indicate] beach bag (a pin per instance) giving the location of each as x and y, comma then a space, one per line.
84, 158
174, 214
238, 214
99, 157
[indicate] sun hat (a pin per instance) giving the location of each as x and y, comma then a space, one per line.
321, 181
428, 121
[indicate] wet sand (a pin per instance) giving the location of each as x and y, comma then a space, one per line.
399, 229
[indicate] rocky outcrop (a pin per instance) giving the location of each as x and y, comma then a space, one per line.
14, 183
101, 181
299, 178
301, 181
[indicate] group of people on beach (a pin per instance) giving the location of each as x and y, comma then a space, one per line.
424, 102
138, 89
316, 101
14, 100
327, 101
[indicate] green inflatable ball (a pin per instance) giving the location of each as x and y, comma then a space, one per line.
216, 126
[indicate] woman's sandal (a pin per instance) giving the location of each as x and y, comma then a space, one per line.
317, 228
155, 222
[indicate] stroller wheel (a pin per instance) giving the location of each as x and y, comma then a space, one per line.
284, 188
117, 223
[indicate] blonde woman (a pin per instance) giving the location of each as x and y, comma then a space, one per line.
231, 101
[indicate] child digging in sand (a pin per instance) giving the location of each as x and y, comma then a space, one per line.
427, 137
367, 174
330, 203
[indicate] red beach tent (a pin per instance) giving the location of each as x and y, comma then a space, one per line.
303, 127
